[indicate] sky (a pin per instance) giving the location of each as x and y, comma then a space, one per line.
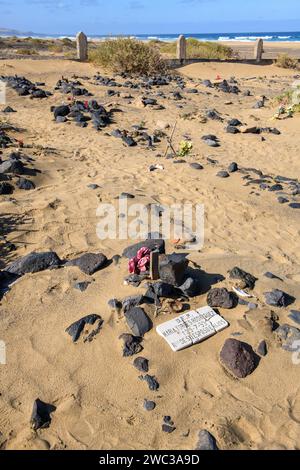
150, 16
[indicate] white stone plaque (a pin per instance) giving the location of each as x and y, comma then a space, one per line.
191, 328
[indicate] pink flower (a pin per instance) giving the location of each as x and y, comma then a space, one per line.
143, 252
133, 266
143, 264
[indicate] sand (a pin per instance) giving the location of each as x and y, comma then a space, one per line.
97, 393
245, 50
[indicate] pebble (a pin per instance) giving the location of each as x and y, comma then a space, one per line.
25, 184
232, 130
289, 337
6, 188
206, 441
247, 279
212, 143
196, 166
277, 298
126, 196
132, 345
89, 263
233, 167
115, 304
262, 348
151, 381
272, 276
168, 429
138, 321
141, 364
295, 316
61, 111
295, 205
223, 174
9, 109
239, 358
234, 122
34, 262
40, 417
221, 298
149, 405
282, 200
82, 286
77, 327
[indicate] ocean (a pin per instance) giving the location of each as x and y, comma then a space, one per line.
243, 37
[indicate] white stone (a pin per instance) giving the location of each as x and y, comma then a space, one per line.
82, 46
258, 50
181, 48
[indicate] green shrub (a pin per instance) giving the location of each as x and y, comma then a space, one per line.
26, 52
128, 55
286, 62
199, 49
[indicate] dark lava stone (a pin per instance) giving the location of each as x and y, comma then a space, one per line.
223, 174
138, 321
77, 328
152, 244
141, 364
248, 279
206, 441
151, 381
277, 298
82, 286
221, 298
149, 405
25, 184
262, 348
239, 358
34, 262
168, 429
40, 417
61, 111
232, 130
233, 167
196, 166
132, 344
6, 188
89, 263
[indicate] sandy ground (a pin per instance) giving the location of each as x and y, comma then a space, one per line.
97, 393
271, 49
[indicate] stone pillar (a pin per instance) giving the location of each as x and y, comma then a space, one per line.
258, 50
181, 49
82, 47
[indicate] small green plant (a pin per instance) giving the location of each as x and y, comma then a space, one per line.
198, 49
129, 56
185, 148
26, 52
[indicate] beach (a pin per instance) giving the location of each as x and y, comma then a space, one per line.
97, 394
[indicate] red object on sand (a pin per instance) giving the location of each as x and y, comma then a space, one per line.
141, 262
218, 77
